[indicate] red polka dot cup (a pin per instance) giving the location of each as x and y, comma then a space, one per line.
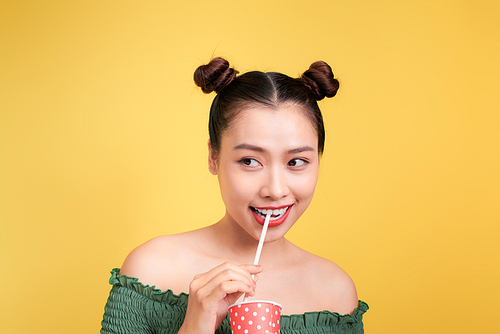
255, 317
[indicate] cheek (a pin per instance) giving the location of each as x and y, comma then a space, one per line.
236, 187
305, 184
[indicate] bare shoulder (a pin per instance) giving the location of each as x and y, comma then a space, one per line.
161, 262
338, 292
148, 258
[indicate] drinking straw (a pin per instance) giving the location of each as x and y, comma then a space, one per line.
261, 240
261, 243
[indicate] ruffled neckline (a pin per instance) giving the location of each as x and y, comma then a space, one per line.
295, 321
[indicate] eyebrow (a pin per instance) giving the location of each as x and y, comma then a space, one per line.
301, 149
249, 147
260, 149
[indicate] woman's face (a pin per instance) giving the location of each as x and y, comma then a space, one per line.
268, 162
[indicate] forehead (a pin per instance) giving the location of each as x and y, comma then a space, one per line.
286, 126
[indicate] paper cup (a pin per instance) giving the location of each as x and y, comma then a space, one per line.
255, 317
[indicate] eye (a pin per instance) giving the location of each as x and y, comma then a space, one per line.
297, 162
249, 162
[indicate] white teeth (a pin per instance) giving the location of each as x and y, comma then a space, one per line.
276, 214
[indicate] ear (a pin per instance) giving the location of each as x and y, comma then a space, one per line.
212, 160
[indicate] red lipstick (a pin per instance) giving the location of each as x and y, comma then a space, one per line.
272, 222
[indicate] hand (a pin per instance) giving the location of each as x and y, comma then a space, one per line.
211, 294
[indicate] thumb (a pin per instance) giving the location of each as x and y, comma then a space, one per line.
232, 298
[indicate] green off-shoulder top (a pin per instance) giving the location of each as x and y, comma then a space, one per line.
133, 307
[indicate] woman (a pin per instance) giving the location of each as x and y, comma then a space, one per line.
266, 138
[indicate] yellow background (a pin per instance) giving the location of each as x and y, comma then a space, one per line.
103, 146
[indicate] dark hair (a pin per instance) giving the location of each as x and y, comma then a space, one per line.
270, 89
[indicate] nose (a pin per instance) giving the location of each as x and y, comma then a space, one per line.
275, 184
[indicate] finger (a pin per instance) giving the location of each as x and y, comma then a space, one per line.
252, 269
230, 289
210, 298
202, 279
229, 275
246, 270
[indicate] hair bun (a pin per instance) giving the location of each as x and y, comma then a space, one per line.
214, 76
319, 78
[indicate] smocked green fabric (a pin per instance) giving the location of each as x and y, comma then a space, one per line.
136, 308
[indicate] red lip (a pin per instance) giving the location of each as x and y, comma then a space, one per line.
273, 207
276, 222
